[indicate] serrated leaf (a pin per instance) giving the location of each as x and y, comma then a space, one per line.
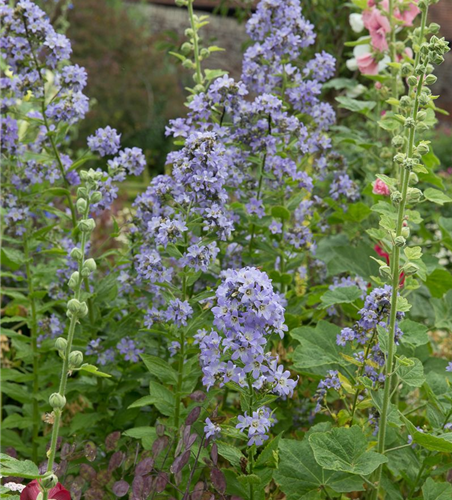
10, 466
340, 295
412, 375
160, 368
432, 490
413, 253
436, 196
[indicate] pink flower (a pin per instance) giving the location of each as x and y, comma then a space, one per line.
378, 25
32, 490
380, 187
367, 64
408, 14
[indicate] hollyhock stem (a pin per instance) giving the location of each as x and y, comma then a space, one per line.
396, 277
195, 42
34, 345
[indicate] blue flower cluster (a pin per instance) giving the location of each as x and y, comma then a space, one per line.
257, 425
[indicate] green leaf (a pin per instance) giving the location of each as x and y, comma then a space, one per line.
160, 369
436, 491
413, 253
431, 160
280, 212
355, 105
12, 258
10, 466
414, 333
344, 449
141, 432
439, 282
340, 295
232, 454
300, 477
443, 311
412, 375
92, 370
318, 350
436, 196
211, 74
441, 443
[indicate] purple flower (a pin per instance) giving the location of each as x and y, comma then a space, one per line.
256, 425
449, 367
211, 429
129, 349
106, 141
179, 312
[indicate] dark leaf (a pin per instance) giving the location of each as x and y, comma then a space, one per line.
198, 396
186, 434
190, 441
147, 486
103, 477
137, 486
159, 445
218, 480
160, 430
144, 467
214, 454
179, 446
198, 490
161, 481
120, 488
193, 416
111, 441
61, 468
180, 462
67, 450
116, 460
93, 494
178, 477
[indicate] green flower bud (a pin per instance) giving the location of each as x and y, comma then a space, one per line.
188, 64
96, 197
410, 268
434, 28
430, 79
422, 126
436, 58
73, 306
399, 158
76, 254
414, 195
385, 153
409, 163
87, 225
412, 81
400, 241
424, 99
420, 70
405, 232
74, 280
189, 33
83, 310
409, 123
85, 272
399, 46
204, 52
398, 142
422, 148
90, 264
181, 3
81, 205
407, 69
49, 482
405, 102
186, 48
75, 359
57, 401
60, 344
421, 115
199, 88
385, 272
396, 197
82, 192
413, 178
423, 5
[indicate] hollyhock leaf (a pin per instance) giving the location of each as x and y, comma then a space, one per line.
414, 333
232, 454
442, 443
436, 196
436, 490
19, 468
340, 295
120, 488
355, 105
412, 375
345, 450
439, 282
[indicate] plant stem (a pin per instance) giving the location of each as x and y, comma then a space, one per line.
195, 42
65, 369
34, 345
396, 280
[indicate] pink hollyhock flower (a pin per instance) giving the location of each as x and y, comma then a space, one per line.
33, 489
378, 25
380, 187
367, 64
408, 14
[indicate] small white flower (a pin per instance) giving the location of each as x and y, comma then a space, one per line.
356, 22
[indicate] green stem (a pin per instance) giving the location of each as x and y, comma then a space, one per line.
34, 345
65, 368
395, 284
195, 42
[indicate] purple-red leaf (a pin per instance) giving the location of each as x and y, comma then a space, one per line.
144, 467
180, 462
111, 441
159, 445
198, 396
218, 480
116, 460
193, 416
120, 488
87, 472
161, 481
214, 454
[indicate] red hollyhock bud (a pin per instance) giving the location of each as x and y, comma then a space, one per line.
32, 490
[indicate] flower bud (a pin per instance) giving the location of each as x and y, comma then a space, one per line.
96, 197
81, 205
385, 272
74, 280
76, 254
186, 48
400, 241
409, 163
435, 59
82, 192
409, 123
430, 79
414, 195
407, 69
423, 5
424, 99
405, 232
189, 33
181, 3
49, 482
399, 158
204, 52
396, 197
421, 115
87, 225
398, 141
60, 344
434, 28
410, 268
199, 88
83, 310
413, 178
405, 102
420, 70
85, 272
188, 64
73, 306
412, 81
422, 148
57, 401
90, 264
75, 359
422, 126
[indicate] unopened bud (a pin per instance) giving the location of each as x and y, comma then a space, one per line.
422, 148
87, 225
405, 232
413, 178
385, 272
186, 48
400, 241
424, 99
90, 264
399, 158
83, 310
49, 482
410, 268
188, 64
414, 195
397, 141
73, 306
60, 344
76, 254
412, 81
75, 359
57, 401
407, 69
409, 123
396, 197
81, 205
96, 197
74, 280
434, 28
430, 79
405, 102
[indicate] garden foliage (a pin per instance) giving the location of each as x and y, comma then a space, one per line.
266, 320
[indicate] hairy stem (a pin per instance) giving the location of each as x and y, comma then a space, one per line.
191, 15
